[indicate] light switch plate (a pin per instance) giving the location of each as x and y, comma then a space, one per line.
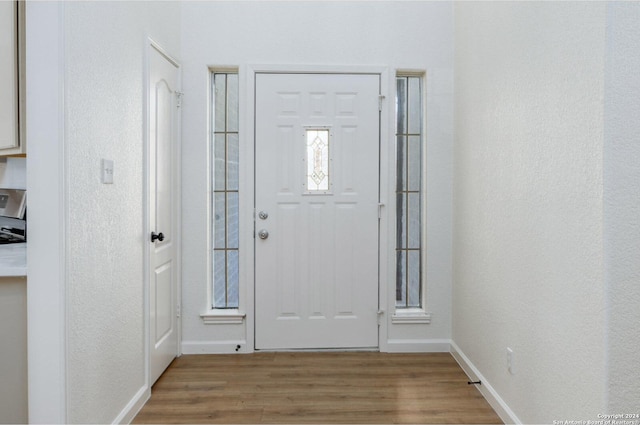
107, 171
510, 364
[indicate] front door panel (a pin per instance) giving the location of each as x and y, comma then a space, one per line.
317, 180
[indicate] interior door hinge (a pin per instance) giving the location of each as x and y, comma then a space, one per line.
380, 314
380, 206
178, 310
179, 95
380, 100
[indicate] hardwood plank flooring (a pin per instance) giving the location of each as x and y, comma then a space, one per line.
321, 387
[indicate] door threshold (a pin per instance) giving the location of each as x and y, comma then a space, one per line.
317, 350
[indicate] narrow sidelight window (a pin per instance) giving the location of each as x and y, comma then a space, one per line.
224, 175
409, 142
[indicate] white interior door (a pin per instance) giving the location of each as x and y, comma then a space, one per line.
163, 204
317, 193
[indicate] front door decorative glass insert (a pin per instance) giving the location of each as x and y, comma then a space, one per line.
317, 160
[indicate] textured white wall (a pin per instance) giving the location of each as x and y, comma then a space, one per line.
528, 220
104, 96
405, 35
622, 205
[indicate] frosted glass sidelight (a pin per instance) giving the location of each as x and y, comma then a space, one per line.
413, 284
232, 102
409, 176
224, 164
233, 270
233, 160
233, 220
220, 102
401, 276
413, 224
219, 273
401, 221
414, 161
408, 220
219, 162
219, 223
401, 106
414, 106
317, 160
401, 163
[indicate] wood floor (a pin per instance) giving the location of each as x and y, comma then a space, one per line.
326, 387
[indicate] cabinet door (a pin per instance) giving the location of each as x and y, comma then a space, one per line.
9, 134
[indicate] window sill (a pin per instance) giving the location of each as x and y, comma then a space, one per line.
223, 317
411, 316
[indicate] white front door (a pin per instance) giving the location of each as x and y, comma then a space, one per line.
317, 193
163, 207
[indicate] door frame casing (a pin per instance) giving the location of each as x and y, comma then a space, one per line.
150, 45
247, 188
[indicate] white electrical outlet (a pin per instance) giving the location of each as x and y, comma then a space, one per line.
107, 171
510, 364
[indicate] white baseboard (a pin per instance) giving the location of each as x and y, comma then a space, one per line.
417, 346
214, 347
487, 391
133, 407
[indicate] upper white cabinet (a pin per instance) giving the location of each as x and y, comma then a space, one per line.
12, 140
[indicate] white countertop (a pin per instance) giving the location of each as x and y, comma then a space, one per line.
13, 259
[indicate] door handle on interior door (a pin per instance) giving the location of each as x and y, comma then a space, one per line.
159, 236
263, 234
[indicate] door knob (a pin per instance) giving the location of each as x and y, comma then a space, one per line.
263, 234
263, 215
159, 236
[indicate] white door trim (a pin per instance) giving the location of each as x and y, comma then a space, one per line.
48, 188
151, 44
247, 186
